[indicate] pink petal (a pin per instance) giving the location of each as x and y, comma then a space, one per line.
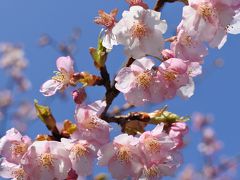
124, 79
65, 63
142, 64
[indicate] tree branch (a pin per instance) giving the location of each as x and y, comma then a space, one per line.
160, 3
112, 92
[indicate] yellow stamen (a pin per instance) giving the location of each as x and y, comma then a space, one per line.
144, 79
139, 30
46, 160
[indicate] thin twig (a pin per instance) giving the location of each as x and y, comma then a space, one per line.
112, 92
160, 3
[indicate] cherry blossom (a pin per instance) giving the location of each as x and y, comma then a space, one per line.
139, 82
46, 160
173, 73
62, 79
13, 171
159, 156
140, 31
187, 47
156, 144
82, 155
13, 146
90, 126
177, 131
108, 21
209, 19
121, 156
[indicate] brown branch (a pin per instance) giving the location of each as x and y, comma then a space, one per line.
112, 92
119, 110
133, 116
106, 78
160, 3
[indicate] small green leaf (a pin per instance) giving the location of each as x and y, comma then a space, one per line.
99, 55
44, 113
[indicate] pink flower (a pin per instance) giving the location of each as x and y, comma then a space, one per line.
121, 156
159, 156
90, 126
11, 170
177, 131
209, 19
173, 74
155, 171
210, 144
13, 146
46, 160
62, 79
82, 155
156, 144
187, 47
108, 21
200, 120
140, 31
139, 83
5, 98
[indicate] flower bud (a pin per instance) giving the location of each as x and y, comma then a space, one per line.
79, 95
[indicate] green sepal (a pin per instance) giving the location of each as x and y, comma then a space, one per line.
99, 55
45, 115
167, 117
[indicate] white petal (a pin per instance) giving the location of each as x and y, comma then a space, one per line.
50, 87
188, 90
234, 28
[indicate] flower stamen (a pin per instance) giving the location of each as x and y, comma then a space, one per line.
139, 30
46, 160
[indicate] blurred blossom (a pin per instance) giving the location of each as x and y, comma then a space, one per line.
1, 116
189, 173
44, 40
23, 114
5, 98
209, 172
12, 56
219, 63
14, 62
25, 111
210, 144
23, 83
200, 120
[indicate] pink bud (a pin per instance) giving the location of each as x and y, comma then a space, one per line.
79, 95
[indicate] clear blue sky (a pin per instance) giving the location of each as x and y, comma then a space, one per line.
218, 92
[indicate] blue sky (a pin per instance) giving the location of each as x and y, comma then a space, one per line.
218, 92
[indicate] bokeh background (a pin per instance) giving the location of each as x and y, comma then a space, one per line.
24, 22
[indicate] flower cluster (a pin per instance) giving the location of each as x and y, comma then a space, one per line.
153, 73
213, 167
140, 31
23, 159
14, 62
152, 155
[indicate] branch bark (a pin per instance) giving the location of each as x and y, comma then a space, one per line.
111, 91
160, 3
